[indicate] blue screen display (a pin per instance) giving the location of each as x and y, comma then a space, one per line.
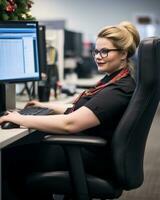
19, 53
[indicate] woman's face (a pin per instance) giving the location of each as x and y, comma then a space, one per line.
111, 63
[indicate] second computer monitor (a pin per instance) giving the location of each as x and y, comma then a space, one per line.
42, 49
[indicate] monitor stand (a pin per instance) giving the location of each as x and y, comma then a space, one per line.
8, 97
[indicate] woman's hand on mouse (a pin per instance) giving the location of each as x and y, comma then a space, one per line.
9, 117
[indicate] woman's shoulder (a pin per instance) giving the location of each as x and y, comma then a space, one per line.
127, 84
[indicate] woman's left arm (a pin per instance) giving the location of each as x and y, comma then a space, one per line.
77, 121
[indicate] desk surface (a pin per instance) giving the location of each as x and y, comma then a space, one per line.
8, 136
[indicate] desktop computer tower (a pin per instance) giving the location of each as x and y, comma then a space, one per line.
8, 97
2, 102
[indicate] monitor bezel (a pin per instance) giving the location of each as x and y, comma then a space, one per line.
25, 79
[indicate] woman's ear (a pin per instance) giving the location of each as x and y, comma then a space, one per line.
124, 55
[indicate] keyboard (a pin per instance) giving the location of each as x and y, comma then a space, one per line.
31, 110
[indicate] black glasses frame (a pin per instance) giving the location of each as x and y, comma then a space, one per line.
95, 52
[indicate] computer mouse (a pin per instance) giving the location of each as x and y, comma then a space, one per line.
9, 125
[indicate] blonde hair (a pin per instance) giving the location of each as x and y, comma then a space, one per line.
123, 36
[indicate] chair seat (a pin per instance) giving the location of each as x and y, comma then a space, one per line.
59, 183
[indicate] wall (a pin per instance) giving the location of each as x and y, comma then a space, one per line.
88, 16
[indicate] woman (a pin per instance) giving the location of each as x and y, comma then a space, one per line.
96, 111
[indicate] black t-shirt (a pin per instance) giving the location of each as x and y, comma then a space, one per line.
108, 105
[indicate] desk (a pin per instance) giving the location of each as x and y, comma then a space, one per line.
8, 137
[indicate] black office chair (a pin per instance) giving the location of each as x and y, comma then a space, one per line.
127, 146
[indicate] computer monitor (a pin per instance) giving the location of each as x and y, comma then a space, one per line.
73, 44
19, 54
42, 48
79, 44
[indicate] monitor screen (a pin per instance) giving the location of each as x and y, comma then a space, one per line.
19, 52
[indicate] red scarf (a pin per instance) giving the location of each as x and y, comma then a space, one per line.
90, 92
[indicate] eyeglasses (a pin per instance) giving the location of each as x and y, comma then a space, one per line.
103, 52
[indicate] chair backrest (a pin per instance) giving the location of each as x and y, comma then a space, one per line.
129, 139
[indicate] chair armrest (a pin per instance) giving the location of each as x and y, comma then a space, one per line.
75, 140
